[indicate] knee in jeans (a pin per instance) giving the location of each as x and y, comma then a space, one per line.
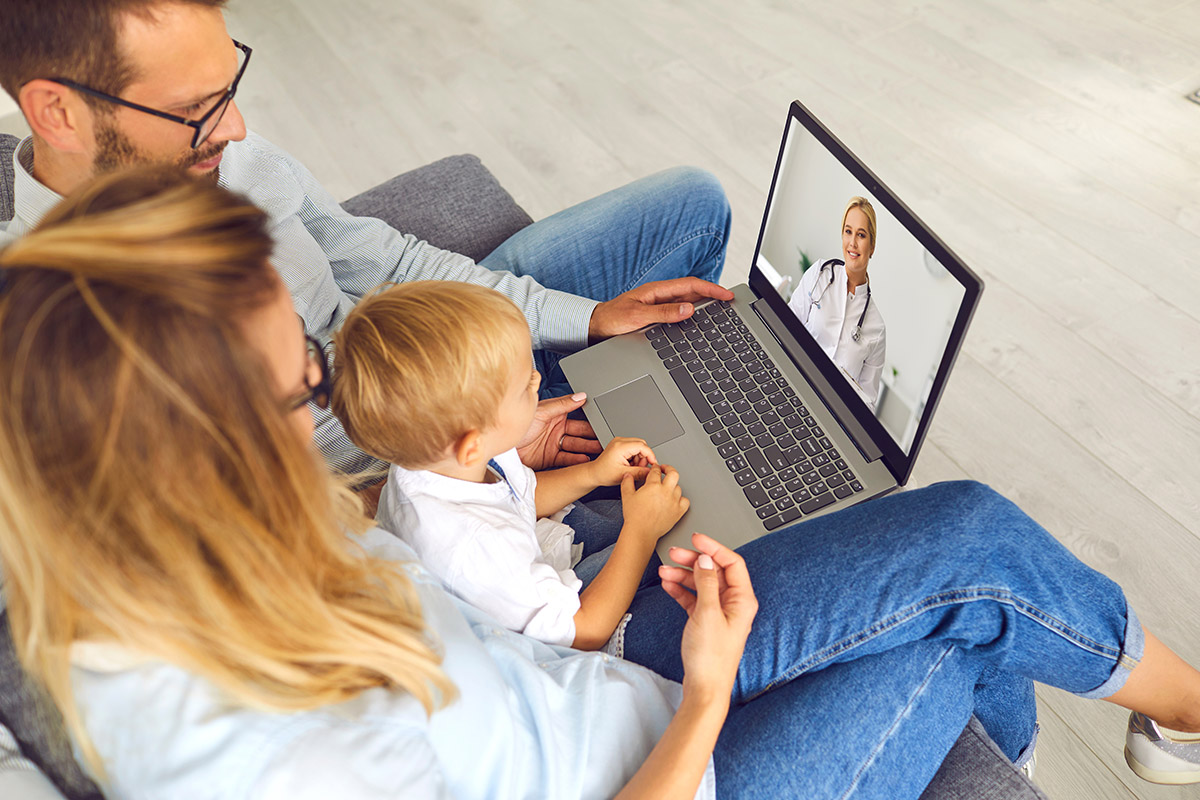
702, 187
986, 520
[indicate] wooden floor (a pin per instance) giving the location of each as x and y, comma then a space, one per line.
1049, 143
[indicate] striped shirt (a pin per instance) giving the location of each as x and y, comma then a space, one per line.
329, 259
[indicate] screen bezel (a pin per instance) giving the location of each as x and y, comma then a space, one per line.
899, 463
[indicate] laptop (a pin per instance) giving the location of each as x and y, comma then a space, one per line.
797, 398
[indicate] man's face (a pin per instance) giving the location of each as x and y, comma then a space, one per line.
183, 61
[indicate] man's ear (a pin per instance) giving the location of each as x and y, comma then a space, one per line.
468, 451
56, 114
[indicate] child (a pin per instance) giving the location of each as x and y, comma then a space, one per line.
437, 378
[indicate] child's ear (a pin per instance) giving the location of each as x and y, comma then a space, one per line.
468, 451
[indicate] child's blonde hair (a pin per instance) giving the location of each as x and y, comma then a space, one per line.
420, 364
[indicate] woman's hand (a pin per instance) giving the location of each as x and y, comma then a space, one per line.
720, 613
553, 440
623, 456
719, 617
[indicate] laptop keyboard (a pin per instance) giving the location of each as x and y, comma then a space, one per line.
777, 453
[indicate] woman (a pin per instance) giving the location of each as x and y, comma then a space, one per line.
834, 303
173, 545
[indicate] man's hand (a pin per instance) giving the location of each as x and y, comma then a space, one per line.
649, 304
555, 441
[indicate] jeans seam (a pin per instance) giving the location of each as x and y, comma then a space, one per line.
949, 597
656, 260
920, 690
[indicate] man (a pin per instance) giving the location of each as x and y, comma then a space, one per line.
114, 82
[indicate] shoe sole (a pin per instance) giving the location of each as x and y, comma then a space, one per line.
1159, 776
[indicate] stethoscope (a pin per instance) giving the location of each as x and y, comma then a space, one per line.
831, 263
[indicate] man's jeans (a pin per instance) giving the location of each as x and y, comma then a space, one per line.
670, 225
883, 627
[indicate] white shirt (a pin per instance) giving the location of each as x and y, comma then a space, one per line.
486, 544
531, 720
830, 313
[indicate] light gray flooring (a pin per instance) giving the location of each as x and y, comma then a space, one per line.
1048, 143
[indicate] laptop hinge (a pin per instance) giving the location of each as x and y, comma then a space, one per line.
833, 401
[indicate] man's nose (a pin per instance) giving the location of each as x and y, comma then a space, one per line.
232, 127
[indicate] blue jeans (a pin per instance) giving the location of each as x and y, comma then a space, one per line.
669, 225
880, 628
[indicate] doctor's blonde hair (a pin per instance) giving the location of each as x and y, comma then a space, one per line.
153, 492
865, 205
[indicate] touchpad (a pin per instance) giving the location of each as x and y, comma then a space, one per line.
638, 409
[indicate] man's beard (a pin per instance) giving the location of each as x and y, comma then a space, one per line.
115, 151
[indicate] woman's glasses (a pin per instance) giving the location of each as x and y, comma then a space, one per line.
320, 393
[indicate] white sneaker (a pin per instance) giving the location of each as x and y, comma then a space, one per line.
1158, 757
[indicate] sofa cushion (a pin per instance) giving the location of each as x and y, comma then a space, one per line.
976, 769
455, 204
26, 710
7, 145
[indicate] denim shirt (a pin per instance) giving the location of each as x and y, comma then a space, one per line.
531, 720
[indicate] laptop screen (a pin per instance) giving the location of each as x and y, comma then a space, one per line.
872, 295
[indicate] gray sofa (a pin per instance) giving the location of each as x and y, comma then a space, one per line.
456, 204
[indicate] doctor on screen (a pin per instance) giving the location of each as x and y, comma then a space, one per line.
834, 303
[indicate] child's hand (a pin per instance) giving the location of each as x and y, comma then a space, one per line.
653, 509
622, 457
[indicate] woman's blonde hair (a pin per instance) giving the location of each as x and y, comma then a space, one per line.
420, 364
865, 205
153, 493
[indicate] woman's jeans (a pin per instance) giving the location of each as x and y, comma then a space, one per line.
882, 628
669, 225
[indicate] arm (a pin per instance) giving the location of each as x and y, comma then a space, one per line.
799, 302
623, 456
719, 617
649, 513
872, 369
330, 258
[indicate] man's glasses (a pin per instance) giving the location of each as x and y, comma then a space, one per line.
202, 127
319, 394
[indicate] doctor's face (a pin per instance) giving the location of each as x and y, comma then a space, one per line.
857, 247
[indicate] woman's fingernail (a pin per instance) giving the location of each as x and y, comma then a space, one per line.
704, 561
579, 396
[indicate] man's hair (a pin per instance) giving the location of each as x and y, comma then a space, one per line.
420, 364
154, 491
74, 39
